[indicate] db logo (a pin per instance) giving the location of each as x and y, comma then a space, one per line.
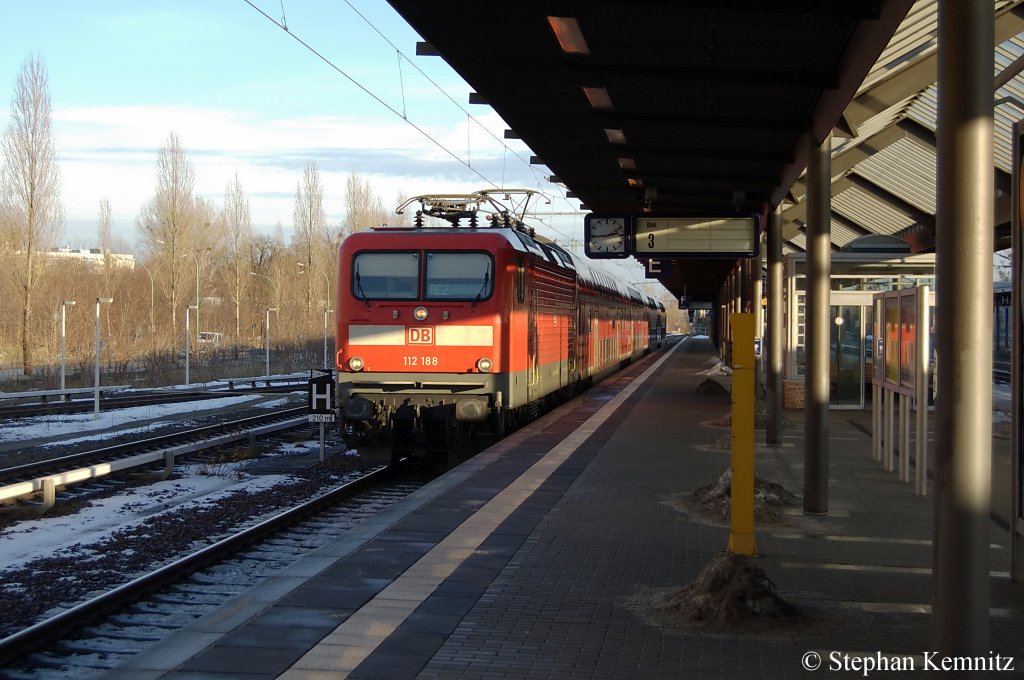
419, 335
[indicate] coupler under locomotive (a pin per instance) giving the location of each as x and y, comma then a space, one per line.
420, 429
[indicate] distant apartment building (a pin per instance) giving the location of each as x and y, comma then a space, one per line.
91, 256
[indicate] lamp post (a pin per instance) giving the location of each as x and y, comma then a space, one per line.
327, 304
63, 326
96, 381
174, 258
264, 276
327, 280
266, 337
195, 256
187, 309
327, 310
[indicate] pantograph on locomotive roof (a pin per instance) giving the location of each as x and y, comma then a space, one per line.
508, 211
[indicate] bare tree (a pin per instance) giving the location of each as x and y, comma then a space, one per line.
165, 221
363, 208
208, 246
264, 248
311, 236
30, 185
105, 242
103, 225
396, 220
239, 247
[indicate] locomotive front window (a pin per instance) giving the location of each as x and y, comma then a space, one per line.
459, 276
386, 276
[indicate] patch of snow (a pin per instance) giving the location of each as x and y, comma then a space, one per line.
59, 425
193, 485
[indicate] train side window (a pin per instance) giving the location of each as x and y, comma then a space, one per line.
521, 279
386, 276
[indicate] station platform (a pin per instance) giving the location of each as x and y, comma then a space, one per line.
547, 555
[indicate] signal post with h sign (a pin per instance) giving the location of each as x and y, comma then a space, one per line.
322, 389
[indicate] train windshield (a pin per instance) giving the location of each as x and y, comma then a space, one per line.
386, 276
459, 276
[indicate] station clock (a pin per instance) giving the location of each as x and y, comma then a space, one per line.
607, 236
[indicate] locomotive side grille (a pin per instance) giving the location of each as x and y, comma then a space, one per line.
555, 290
556, 322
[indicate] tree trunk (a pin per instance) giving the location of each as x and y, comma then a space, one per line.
26, 346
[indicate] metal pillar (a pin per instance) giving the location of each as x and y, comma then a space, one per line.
889, 438
757, 309
96, 377
186, 342
963, 266
1017, 355
741, 525
747, 283
903, 473
877, 393
96, 374
921, 391
737, 290
63, 332
774, 338
726, 310
816, 336
266, 342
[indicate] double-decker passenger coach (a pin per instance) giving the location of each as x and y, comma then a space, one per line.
465, 328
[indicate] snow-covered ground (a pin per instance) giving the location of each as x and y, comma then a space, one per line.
48, 536
147, 417
193, 484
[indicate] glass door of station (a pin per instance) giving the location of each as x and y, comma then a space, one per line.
849, 348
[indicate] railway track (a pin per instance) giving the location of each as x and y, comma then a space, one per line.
149, 398
25, 481
92, 636
1001, 372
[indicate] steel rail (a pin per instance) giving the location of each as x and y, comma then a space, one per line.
90, 465
37, 635
126, 401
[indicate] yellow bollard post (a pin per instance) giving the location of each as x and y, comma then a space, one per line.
741, 529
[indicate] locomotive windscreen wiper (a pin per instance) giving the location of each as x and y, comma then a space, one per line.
359, 288
483, 288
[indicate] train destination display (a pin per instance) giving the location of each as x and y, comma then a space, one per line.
719, 236
654, 235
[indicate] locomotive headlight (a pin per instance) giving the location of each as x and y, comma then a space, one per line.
420, 314
483, 365
355, 363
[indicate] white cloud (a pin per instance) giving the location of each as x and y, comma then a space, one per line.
112, 151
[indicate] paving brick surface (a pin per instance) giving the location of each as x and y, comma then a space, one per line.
558, 588
860, 576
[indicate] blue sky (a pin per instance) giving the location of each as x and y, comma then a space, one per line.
244, 96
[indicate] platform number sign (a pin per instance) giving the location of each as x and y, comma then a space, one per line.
321, 397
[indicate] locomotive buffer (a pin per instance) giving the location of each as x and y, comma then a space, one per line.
321, 401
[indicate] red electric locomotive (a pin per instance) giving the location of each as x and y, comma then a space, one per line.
446, 331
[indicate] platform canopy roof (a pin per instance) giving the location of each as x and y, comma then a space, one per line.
709, 105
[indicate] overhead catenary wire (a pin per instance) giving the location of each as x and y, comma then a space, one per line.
369, 92
469, 116
436, 86
405, 118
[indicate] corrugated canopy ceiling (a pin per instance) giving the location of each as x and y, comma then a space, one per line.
713, 103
